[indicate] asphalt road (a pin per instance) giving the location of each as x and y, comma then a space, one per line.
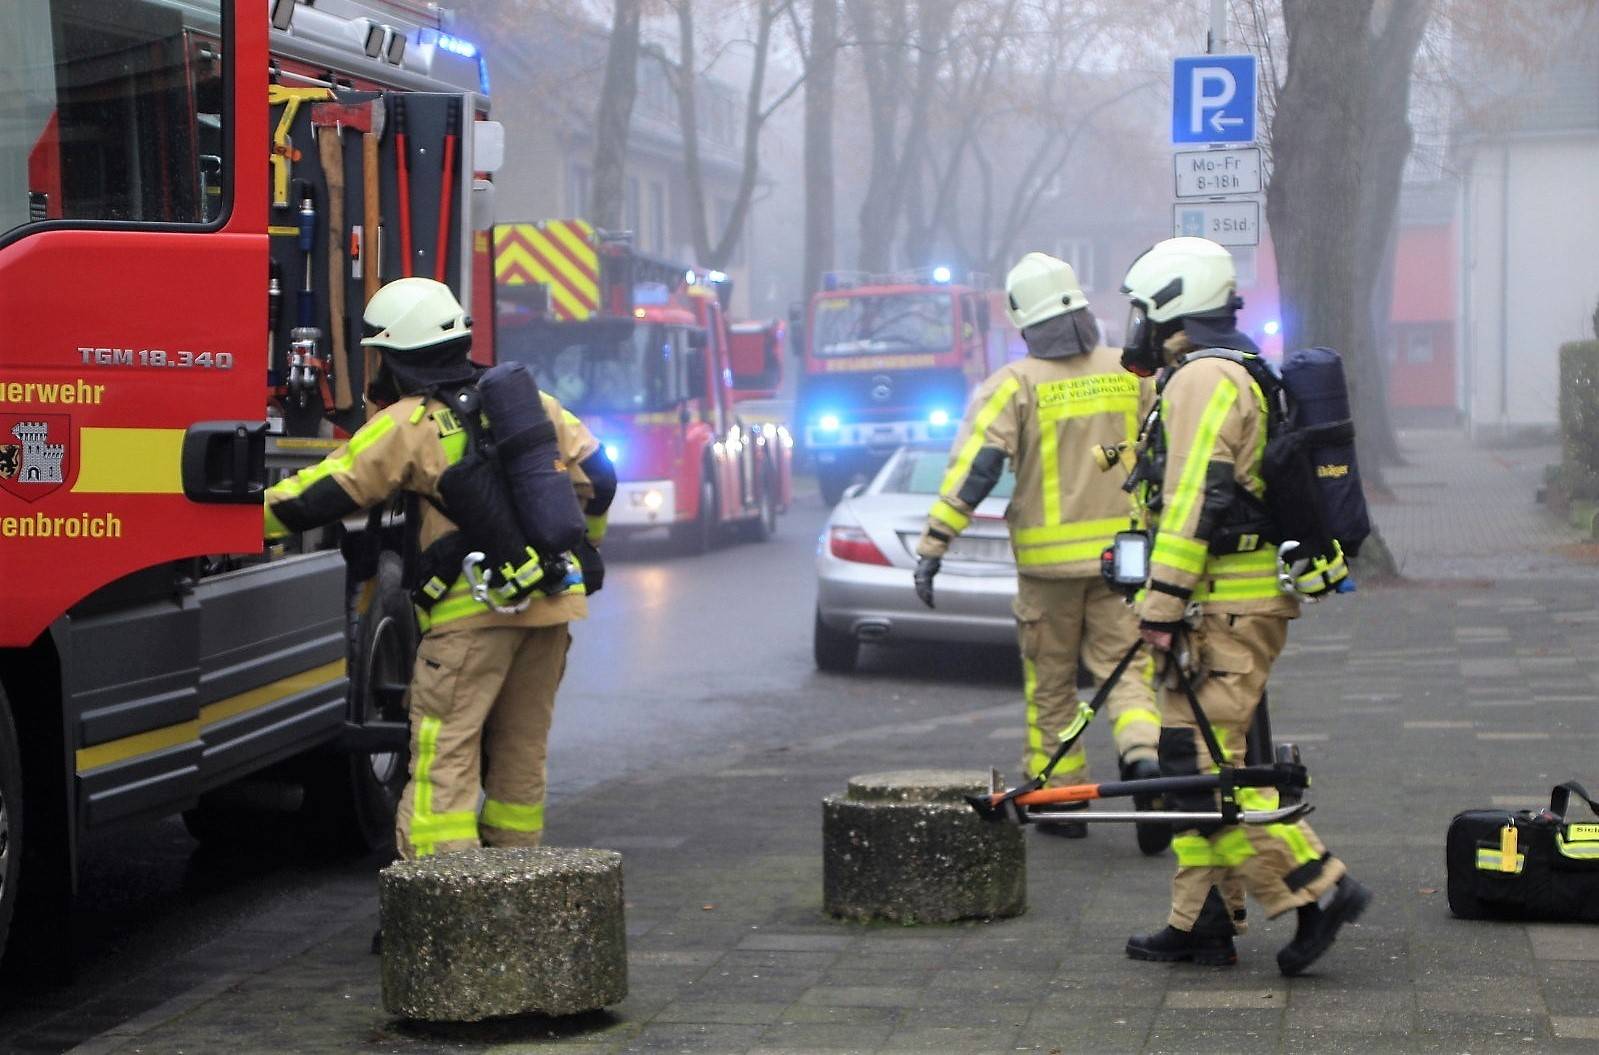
685, 661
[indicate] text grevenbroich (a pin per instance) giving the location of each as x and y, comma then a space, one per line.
80, 525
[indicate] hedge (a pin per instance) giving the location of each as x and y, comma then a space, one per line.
1579, 417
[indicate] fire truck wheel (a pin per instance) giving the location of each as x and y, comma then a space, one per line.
835, 652
762, 526
699, 535
833, 480
350, 799
10, 817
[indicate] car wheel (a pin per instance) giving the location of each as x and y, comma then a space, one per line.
835, 652
10, 818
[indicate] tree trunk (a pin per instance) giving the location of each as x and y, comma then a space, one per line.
882, 49
819, 188
615, 115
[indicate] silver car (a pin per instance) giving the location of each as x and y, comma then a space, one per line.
866, 555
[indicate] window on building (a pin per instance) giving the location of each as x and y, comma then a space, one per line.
657, 217
1079, 253
579, 189
632, 220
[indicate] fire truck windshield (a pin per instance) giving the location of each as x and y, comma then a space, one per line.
630, 369
884, 323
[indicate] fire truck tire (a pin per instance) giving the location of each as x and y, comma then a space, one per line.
350, 799
835, 652
764, 524
833, 480
699, 535
11, 820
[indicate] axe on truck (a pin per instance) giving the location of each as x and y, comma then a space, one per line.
330, 120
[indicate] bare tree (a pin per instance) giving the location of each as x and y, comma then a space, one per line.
903, 47
819, 53
684, 74
615, 114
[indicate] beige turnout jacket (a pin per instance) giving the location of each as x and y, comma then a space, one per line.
1045, 416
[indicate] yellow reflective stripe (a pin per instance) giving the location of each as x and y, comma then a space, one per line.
1244, 589
428, 828
1232, 848
458, 603
272, 527
596, 528
1134, 716
1192, 482
1177, 551
1193, 851
1067, 554
949, 516
442, 828
1049, 458
369, 434
974, 443
454, 446
1072, 532
129, 461
513, 816
419, 413
1082, 408
1581, 850
1257, 798
1037, 756
1298, 845
1491, 860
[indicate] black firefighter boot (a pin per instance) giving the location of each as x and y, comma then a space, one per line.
1319, 923
1209, 944
1152, 838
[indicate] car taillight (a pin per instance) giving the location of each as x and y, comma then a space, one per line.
853, 544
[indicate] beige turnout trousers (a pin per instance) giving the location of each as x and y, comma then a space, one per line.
481, 702
1061, 622
1282, 865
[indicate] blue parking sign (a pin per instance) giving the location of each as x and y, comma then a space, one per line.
1213, 99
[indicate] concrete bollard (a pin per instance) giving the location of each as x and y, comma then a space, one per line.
905, 847
484, 933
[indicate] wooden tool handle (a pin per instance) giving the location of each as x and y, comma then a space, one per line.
332, 150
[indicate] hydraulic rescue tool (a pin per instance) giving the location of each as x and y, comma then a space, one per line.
284, 152
1286, 774
305, 356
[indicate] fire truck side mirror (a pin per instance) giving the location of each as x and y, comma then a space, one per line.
488, 146
483, 202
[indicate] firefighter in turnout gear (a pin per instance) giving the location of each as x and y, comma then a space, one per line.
1214, 604
1045, 414
482, 692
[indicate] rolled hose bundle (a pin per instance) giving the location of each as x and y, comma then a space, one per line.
529, 454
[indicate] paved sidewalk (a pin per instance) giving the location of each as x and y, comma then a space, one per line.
1409, 703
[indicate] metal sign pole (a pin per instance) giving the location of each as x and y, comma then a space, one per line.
1216, 39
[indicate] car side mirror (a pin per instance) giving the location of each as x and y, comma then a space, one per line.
854, 490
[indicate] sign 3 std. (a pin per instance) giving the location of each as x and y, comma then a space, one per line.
1225, 222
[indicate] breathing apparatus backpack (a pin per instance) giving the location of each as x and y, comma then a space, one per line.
509, 495
1314, 508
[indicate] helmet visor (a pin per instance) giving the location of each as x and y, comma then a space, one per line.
1137, 332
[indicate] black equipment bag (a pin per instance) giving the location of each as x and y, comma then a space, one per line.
527, 447
1526, 865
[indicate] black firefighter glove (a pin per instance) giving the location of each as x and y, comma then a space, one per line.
926, 568
588, 558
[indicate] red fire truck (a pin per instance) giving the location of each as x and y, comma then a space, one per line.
889, 360
157, 169
641, 350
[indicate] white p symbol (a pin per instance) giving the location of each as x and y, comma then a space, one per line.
1201, 100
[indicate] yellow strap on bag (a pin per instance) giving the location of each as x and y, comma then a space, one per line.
1507, 849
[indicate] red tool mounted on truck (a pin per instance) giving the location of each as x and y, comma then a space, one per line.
641, 349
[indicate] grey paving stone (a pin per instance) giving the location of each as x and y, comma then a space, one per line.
862, 996
1554, 942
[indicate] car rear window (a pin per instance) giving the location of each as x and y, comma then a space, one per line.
922, 473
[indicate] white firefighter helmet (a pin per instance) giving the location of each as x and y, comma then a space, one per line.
1039, 288
410, 314
1181, 277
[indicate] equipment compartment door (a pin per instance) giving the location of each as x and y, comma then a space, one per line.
132, 289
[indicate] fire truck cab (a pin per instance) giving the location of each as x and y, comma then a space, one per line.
641, 349
152, 656
889, 360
